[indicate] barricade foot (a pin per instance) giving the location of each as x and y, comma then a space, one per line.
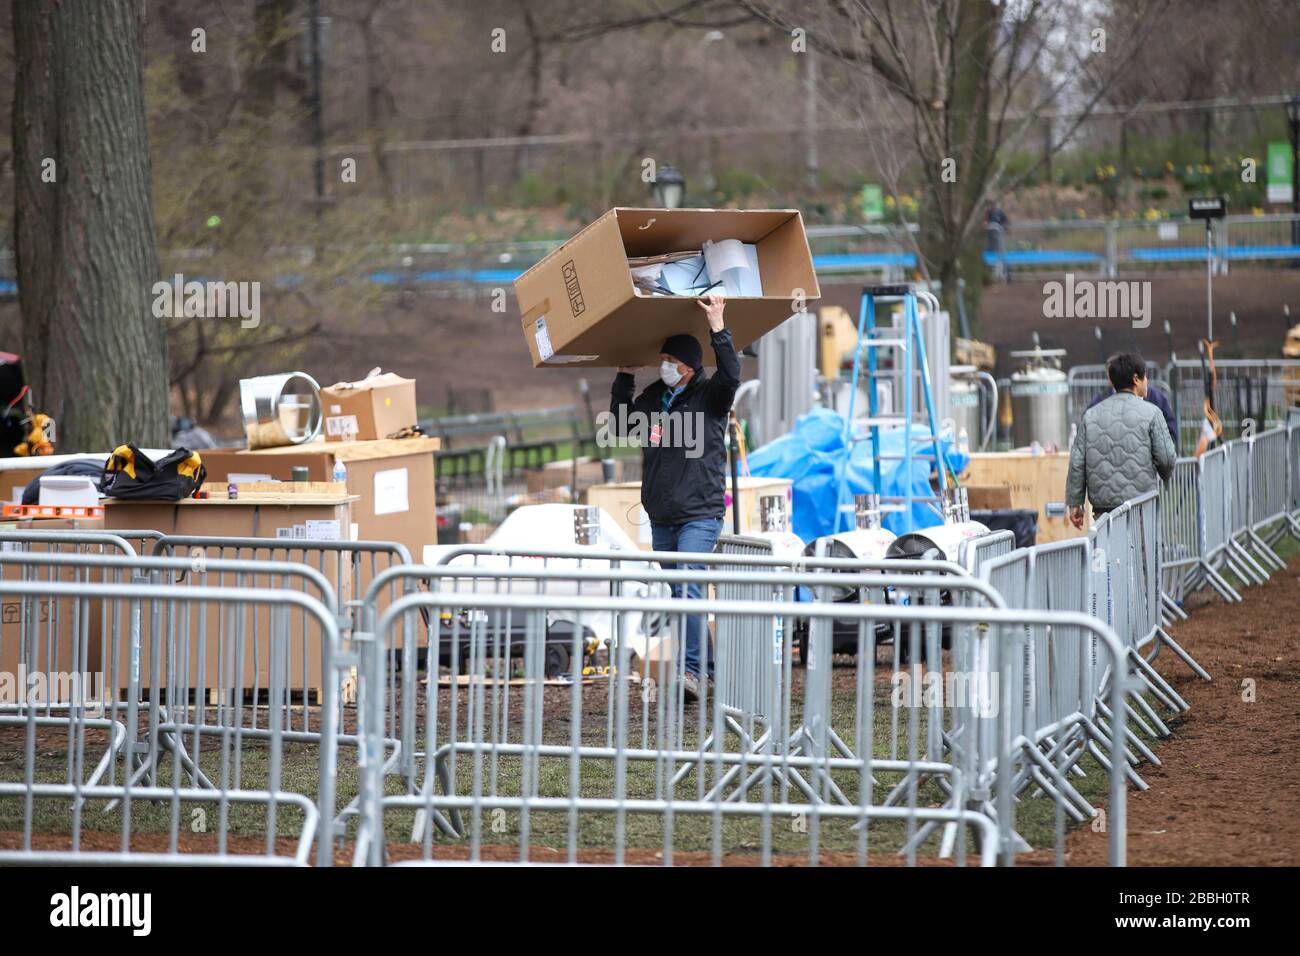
1164, 637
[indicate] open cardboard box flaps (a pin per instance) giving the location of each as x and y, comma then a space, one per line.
579, 307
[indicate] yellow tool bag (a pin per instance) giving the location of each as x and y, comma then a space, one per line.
131, 474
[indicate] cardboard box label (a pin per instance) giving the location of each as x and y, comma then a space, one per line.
322, 530
246, 478
325, 530
342, 425
543, 339
547, 352
391, 495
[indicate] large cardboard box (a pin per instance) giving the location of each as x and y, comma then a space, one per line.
392, 479
557, 474
578, 305
622, 501
212, 649
1036, 482
15, 480
49, 626
368, 410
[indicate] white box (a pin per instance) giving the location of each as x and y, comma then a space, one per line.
76, 491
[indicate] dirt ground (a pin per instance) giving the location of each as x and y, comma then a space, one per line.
1226, 794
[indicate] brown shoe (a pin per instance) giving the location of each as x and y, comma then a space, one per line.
690, 685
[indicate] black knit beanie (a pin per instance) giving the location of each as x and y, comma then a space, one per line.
685, 348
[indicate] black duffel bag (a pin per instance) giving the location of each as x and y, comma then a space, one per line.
131, 474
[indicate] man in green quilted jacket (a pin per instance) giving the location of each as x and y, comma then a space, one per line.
1122, 448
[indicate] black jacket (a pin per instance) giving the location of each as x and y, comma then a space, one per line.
676, 486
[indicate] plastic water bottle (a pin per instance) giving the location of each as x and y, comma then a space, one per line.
340, 471
963, 442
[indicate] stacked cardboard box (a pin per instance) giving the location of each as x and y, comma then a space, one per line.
392, 479
227, 636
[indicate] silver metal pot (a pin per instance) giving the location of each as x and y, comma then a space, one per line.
281, 409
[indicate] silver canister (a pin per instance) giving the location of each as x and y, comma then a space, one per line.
282, 409
772, 513
586, 524
866, 509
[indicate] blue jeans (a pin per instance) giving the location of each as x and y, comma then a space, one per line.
699, 536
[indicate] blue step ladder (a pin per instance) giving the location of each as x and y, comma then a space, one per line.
909, 353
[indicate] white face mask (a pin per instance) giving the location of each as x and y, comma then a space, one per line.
668, 372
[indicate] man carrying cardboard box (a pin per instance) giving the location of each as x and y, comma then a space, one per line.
683, 418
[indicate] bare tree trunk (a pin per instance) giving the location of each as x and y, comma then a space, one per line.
86, 251
379, 102
947, 242
534, 104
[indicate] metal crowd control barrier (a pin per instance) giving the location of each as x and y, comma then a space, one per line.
1216, 518
1239, 484
145, 807
1267, 498
1113, 575
768, 742
1181, 533
1255, 390
972, 553
1293, 469
753, 670
519, 802
1055, 721
128, 659
350, 566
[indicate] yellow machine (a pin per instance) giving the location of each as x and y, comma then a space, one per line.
838, 334
1291, 344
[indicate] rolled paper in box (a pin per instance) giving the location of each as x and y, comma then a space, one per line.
728, 262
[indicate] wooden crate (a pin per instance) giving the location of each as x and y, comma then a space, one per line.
1034, 481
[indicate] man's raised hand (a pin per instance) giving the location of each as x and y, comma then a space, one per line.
713, 304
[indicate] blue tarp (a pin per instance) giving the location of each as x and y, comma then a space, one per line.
808, 456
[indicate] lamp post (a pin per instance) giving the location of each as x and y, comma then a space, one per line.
668, 188
1208, 208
